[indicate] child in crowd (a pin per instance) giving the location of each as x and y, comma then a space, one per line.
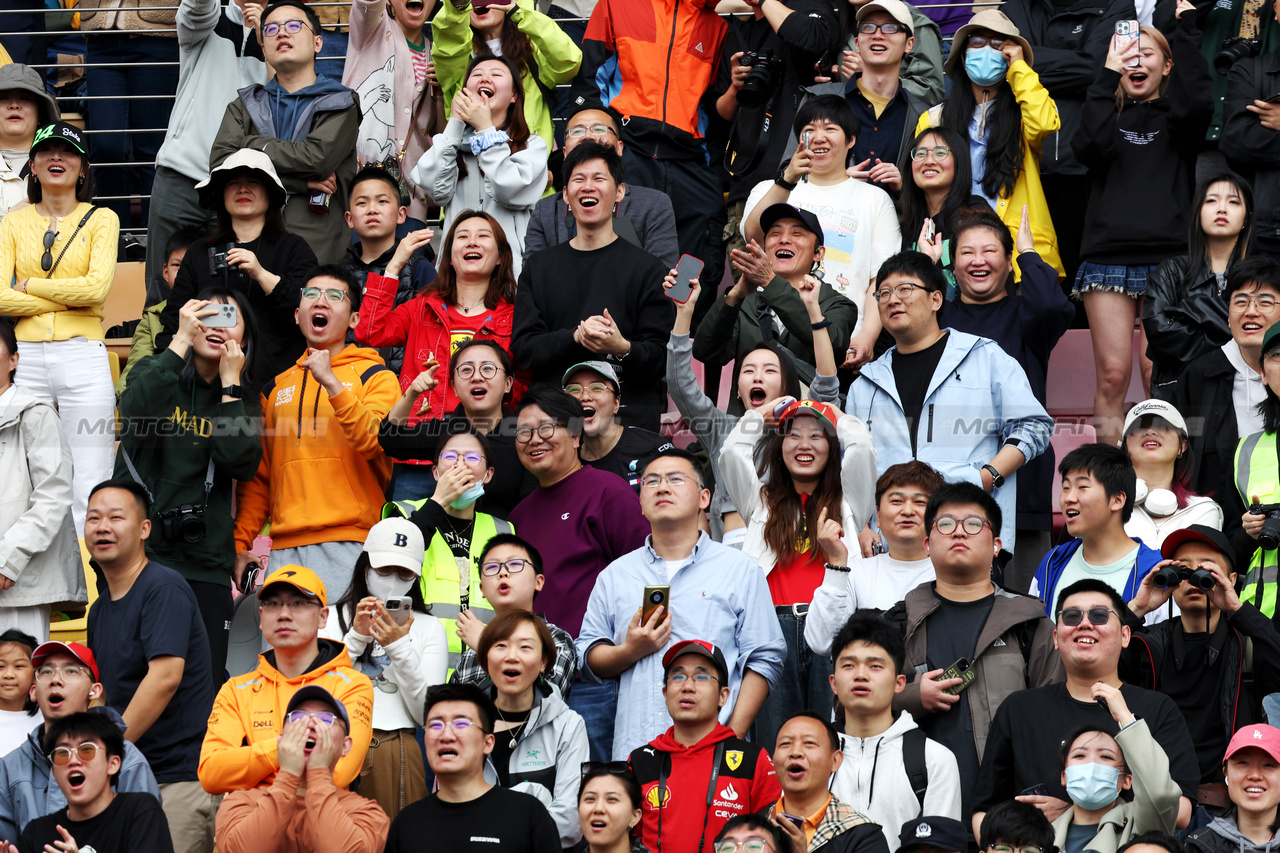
402, 651
891, 771
1142, 125
487, 157
149, 327
510, 578
18, 710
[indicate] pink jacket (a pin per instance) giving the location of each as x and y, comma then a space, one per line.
380, 68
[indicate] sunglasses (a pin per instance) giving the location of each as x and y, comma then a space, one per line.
1073, 616
47, 260
613, 768
62, 755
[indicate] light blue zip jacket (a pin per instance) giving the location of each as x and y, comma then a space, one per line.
978, 400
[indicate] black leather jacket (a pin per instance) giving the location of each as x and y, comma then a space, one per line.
1182, 323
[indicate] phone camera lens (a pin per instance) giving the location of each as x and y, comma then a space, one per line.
655, 597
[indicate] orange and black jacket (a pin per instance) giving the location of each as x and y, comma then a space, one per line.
658, 64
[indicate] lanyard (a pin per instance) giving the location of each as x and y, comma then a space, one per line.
716, 761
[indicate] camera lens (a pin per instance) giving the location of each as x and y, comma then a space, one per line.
1269, 536
192, 528
655, 597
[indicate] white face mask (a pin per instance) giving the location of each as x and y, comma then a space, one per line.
383, 588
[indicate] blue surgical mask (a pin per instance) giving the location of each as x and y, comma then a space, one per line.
1092, 786
468, 497
985, 66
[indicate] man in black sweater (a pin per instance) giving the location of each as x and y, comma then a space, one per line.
596, 297
466, 814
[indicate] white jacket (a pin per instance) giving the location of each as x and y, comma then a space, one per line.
857, 480
873, 779
13, 187
38, 545
875, 582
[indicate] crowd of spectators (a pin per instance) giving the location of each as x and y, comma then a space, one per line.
438, 298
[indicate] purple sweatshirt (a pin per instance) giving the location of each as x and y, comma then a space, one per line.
580, 525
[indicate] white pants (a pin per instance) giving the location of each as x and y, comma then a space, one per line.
75, 376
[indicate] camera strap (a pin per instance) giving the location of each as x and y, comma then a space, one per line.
133, 472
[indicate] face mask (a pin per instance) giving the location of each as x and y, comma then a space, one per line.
468, 497
1092, 786
985, 66
383, 588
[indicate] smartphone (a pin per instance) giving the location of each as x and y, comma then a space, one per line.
655, 597
1126, 33
399, 607
929, 230
782, 404
1274, 99
798, 821
249, 580
687, 270
804, 139
1035, 791
960, 669
225, 318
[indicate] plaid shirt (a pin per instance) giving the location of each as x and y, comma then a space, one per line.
838, 819
469, 671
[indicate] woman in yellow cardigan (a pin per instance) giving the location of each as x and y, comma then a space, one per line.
57, 262
997, 102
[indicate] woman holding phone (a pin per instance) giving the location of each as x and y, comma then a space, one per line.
1142, 125
190, 428
403, 652
802, 474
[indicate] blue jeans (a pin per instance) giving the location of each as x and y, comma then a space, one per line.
804, 684
116, 113
332, 57
597, 704
411, 482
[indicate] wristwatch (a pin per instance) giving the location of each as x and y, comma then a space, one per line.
232, 391
997, 479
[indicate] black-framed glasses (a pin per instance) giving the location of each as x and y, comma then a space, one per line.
524, 435
292, 26
62, 755
889, 28
971, 524
513, 567
581, 131
1006, 848
987, 41
487, 369
300, 716
939, 152
1073, 616
613, 768
47, 260
902, 291
333, 294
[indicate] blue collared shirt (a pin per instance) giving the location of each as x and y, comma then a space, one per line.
720, 596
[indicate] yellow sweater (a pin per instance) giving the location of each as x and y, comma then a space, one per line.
69, 305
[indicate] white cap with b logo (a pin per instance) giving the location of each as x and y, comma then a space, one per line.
395, 542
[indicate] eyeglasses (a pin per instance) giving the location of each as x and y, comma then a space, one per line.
889, 28
487, 369
1264, 301
292, 26
471, 457
902, 291
45, 673
402, 574
47, 260
653, 481
325, 717
984, 41
513, 567
615, 768
271, 605
753, 844
939, 152
699, 678
1073, 616
1005, 848
435, 728
62, 755
581, 131
524, 435
333, 294
1273, 356
593, 388
972, 525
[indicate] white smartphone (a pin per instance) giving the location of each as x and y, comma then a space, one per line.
399, 608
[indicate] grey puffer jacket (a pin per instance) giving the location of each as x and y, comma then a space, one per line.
38, 548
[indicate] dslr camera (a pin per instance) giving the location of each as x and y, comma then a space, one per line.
183, 524
1176, 573
1269, 536
766, 74
1234, 49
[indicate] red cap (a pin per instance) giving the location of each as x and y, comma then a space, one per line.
697, 647
825, 414
1260, 736
76, 650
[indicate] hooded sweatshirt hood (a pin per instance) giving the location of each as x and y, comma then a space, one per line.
285, 105
1227, 828
666, 742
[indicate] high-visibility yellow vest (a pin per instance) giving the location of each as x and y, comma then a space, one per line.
1257, 467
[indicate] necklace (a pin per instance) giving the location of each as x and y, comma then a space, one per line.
516, 729
467, 309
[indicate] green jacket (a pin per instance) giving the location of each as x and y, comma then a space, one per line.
144, 342
170, 433
921, 71
555, 60
1222, 21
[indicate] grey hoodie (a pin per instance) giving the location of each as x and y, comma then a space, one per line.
1223, 836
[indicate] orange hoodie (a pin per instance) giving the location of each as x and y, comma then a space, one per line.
239, 750
321, 447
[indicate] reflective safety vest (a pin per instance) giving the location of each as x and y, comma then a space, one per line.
1258, 473
442, 573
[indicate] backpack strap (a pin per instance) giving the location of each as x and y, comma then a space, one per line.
913, 744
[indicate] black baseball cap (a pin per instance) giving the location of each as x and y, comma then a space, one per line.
782, 210
942, 832
1215, 539
68, 133
315, 691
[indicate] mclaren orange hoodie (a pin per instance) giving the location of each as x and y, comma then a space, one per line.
239, 750
323, 473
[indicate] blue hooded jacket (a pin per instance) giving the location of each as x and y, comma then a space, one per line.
1045, 582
